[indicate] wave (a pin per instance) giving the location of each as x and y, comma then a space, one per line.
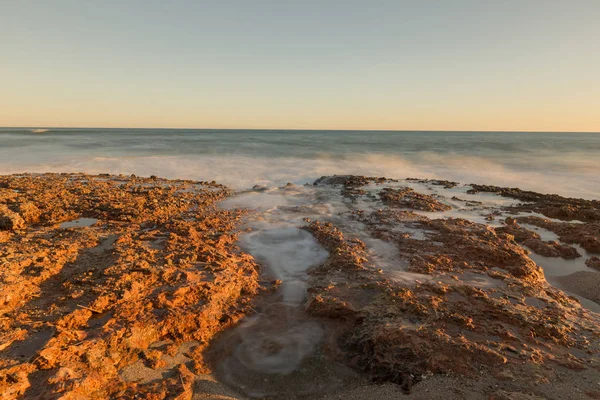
39, 130
240, 172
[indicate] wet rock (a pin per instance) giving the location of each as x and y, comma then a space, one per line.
533, 241
518, 232
593, 262
552, 249
402, 330
438, 182
259, 188
587, 235
551, 205
349, 180
408, 198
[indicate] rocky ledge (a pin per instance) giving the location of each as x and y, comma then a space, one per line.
466, 299
113, 286
101, 272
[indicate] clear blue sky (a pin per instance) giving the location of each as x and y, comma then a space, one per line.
480, 65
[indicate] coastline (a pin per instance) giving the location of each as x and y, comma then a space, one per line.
130, 304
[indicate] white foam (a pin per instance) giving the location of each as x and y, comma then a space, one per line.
240, 172
272, 349
288, 253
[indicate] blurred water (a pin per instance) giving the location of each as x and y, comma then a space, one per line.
564, 163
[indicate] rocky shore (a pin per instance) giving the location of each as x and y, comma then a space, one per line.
116, 287
483, 308
99, 273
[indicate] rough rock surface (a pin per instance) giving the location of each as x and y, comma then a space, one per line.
351, 184
408, 198
532, 240
124, 304
478, 303
79, 305
445, 183
551, 205
593, 262
587, 235
10, 220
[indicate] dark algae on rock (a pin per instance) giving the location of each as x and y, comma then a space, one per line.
476, 301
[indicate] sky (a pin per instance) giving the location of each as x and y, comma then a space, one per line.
310, 64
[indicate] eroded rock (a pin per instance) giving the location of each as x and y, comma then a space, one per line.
400, 331
408, 198
533, 241
77, 305
593, 262
479, 303
10, 220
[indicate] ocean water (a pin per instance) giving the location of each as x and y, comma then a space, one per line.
563, 163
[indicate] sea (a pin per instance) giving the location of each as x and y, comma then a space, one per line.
550, 162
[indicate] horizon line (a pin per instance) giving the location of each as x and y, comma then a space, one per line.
295, 129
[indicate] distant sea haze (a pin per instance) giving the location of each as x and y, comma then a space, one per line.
554, 162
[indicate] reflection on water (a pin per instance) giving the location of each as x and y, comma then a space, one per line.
79, 223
